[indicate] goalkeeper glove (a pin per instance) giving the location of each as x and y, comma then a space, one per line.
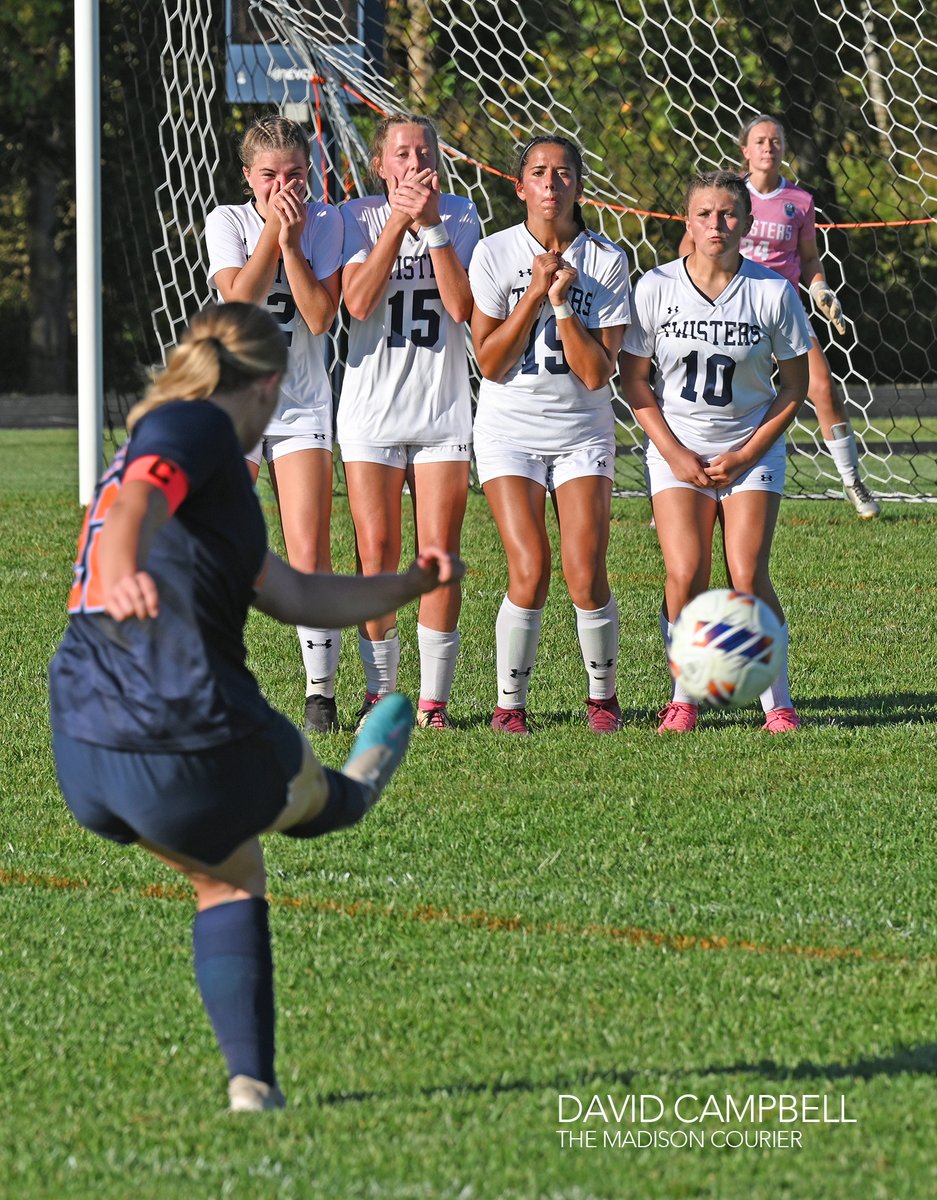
824, 298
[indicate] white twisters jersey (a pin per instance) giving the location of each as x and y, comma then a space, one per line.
231, 233
715, 358
541, 405
406, 375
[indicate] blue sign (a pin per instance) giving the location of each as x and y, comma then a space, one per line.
262, 70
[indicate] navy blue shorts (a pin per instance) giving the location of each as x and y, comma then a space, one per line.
203, 804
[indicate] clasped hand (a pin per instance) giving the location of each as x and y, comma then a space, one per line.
416, 197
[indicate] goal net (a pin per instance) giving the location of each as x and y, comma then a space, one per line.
651, 90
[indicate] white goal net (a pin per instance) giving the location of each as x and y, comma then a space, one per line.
651, 89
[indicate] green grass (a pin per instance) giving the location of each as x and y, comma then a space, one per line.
722, 913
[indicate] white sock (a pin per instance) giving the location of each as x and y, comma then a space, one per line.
678, 695
438, 651
320, 649
517, 632
380, 661
597, 630
779, 694
845, 454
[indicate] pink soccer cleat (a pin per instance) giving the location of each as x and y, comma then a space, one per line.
510, 720
677, 717
781, 720
604, 716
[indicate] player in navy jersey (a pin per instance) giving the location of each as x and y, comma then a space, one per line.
551, 305
285, 253
405, 413
783, 237
160, 732
715, 325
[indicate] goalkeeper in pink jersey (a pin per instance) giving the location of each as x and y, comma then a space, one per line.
783, 237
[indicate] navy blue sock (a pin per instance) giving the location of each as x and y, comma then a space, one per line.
234, 969
348, 801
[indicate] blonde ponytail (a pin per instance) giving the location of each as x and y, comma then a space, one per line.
225, 347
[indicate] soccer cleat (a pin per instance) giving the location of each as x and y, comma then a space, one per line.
321, 714
251, 1095
379, 749
363, 713
781, 720
604, 716
434, 718
862, 500
677, 717
510, 720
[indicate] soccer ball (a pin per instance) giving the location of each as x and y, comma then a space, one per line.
726, 648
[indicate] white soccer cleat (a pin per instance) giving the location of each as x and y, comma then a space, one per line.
862, 500
252, 1095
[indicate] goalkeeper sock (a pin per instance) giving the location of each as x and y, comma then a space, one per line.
845, 453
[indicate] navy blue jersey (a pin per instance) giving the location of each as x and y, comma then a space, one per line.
180, 681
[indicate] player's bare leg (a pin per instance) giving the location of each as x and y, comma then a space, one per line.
440, 494
685, 522
518, 506
374, 497
302, 482
583, 509
748, 522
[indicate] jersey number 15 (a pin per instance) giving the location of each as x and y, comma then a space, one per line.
425, 318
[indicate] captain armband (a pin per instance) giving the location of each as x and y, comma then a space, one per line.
163, 474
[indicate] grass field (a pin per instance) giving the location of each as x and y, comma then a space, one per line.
518, 920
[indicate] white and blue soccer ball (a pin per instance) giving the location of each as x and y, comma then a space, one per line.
726, 648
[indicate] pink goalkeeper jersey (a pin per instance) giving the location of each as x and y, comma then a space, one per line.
782, 219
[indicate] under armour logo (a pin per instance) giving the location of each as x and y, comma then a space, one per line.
463, 446
672, 308
326, 645
767, 478
595, 666
517, 674
600, 464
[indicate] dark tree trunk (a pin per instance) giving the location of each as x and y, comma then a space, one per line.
48, 316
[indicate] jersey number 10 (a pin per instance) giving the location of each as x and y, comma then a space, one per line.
717, 385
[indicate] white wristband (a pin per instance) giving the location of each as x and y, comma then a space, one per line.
436, 236
561, 311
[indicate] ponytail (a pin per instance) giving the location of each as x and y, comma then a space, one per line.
224, 348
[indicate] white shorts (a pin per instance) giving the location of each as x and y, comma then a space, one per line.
767, 475
272, 448
495, 459
404, 454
